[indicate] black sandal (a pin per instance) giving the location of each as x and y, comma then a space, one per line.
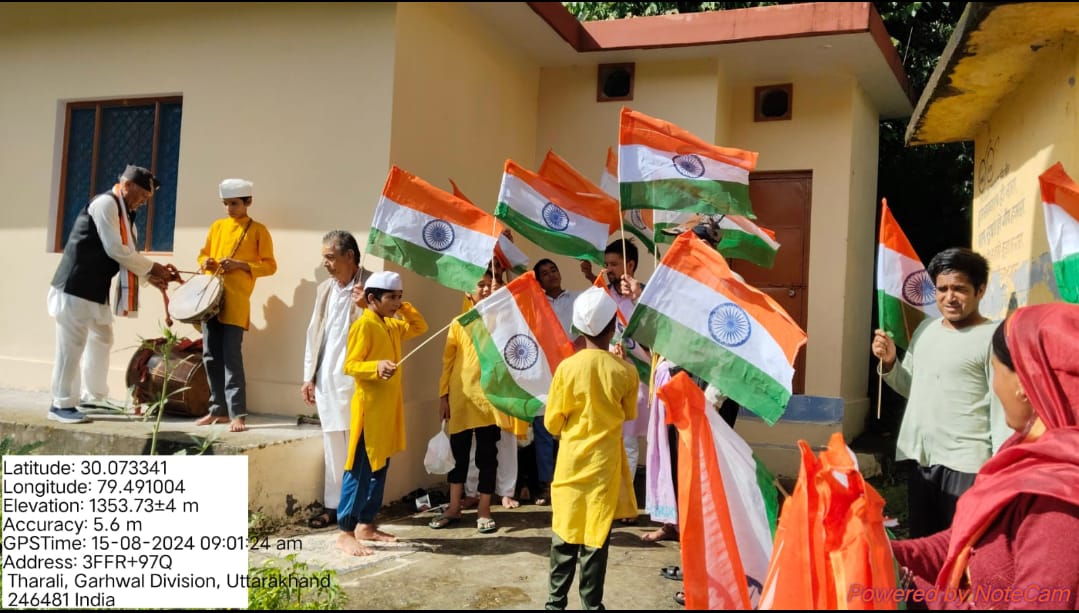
323, 520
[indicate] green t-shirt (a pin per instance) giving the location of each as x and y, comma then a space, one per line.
952, 419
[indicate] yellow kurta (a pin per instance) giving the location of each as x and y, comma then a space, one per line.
469, 407
256, 249
593, 392
378, 410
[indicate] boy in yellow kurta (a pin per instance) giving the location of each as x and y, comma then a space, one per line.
592, 393
243, 251
377, 430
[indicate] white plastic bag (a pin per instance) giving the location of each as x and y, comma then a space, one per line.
439, 457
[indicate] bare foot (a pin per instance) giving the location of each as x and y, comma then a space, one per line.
348, 544
371, 533
208, 419
469, 502
238, 425
508, 502
666, 532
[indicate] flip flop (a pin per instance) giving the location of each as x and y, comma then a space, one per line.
443, 521
486, 525
671, 572
680, 598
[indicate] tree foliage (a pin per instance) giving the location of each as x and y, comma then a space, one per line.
927, 187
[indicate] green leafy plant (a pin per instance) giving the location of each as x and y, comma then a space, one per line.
292, 584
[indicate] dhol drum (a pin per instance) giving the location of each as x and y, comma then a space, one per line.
146, 375
198, 299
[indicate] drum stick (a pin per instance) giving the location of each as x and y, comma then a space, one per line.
431, 338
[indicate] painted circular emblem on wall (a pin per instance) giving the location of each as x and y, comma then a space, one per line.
918, 289
728, 324
521, 352
689, 165
438, 235
554, 217
636, 219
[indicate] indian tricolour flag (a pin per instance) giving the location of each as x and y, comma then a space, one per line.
727, 504
561, 173
697, 314
560, 221
668, 222
1060, 195
508, 255
905, 293
519, 343
637, 222
662, 166
432, 232
745, 240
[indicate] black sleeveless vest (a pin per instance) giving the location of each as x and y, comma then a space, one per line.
86, 270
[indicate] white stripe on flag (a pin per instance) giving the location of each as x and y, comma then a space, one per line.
642, 163
528, 202
406, 223
1063, 230
690, 303
504, 321
609, 184
749, 516
894, 272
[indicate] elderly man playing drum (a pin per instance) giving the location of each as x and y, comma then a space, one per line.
325, 384
238, 249
102, 242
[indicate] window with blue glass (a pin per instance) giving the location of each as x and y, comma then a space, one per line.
100, 139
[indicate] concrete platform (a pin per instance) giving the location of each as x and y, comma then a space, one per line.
285, 459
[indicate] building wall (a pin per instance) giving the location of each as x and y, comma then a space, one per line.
829, 134
1033, 128
463, 103
295, 98
580, 129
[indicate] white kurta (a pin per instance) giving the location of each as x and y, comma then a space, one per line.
333, 388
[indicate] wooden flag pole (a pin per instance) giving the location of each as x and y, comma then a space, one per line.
431, 338
880, 384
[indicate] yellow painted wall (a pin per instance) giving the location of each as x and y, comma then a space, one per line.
580, 129
1032, 129
832, 133
293, 97
462, 104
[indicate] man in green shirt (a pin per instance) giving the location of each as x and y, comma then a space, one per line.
952, 423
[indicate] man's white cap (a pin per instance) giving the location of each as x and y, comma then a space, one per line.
384, 280
593, 310
235, 188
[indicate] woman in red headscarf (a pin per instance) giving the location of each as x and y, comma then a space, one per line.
1014, 542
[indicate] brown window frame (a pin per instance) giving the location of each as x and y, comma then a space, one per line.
97, 105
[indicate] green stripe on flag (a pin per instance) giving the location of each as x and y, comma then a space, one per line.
897, 317
551, 240
766, 483
644, 237
496, 380
748, 247
447, 270
699, 196
1067, 274
739, 379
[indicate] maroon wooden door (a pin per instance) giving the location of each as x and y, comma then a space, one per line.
782, 202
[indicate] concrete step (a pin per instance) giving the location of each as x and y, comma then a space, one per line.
784, 460
285, 464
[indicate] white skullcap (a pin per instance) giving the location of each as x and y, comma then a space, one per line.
384, 280
235, 188
593, 310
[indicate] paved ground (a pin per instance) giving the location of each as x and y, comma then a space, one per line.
458, 568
